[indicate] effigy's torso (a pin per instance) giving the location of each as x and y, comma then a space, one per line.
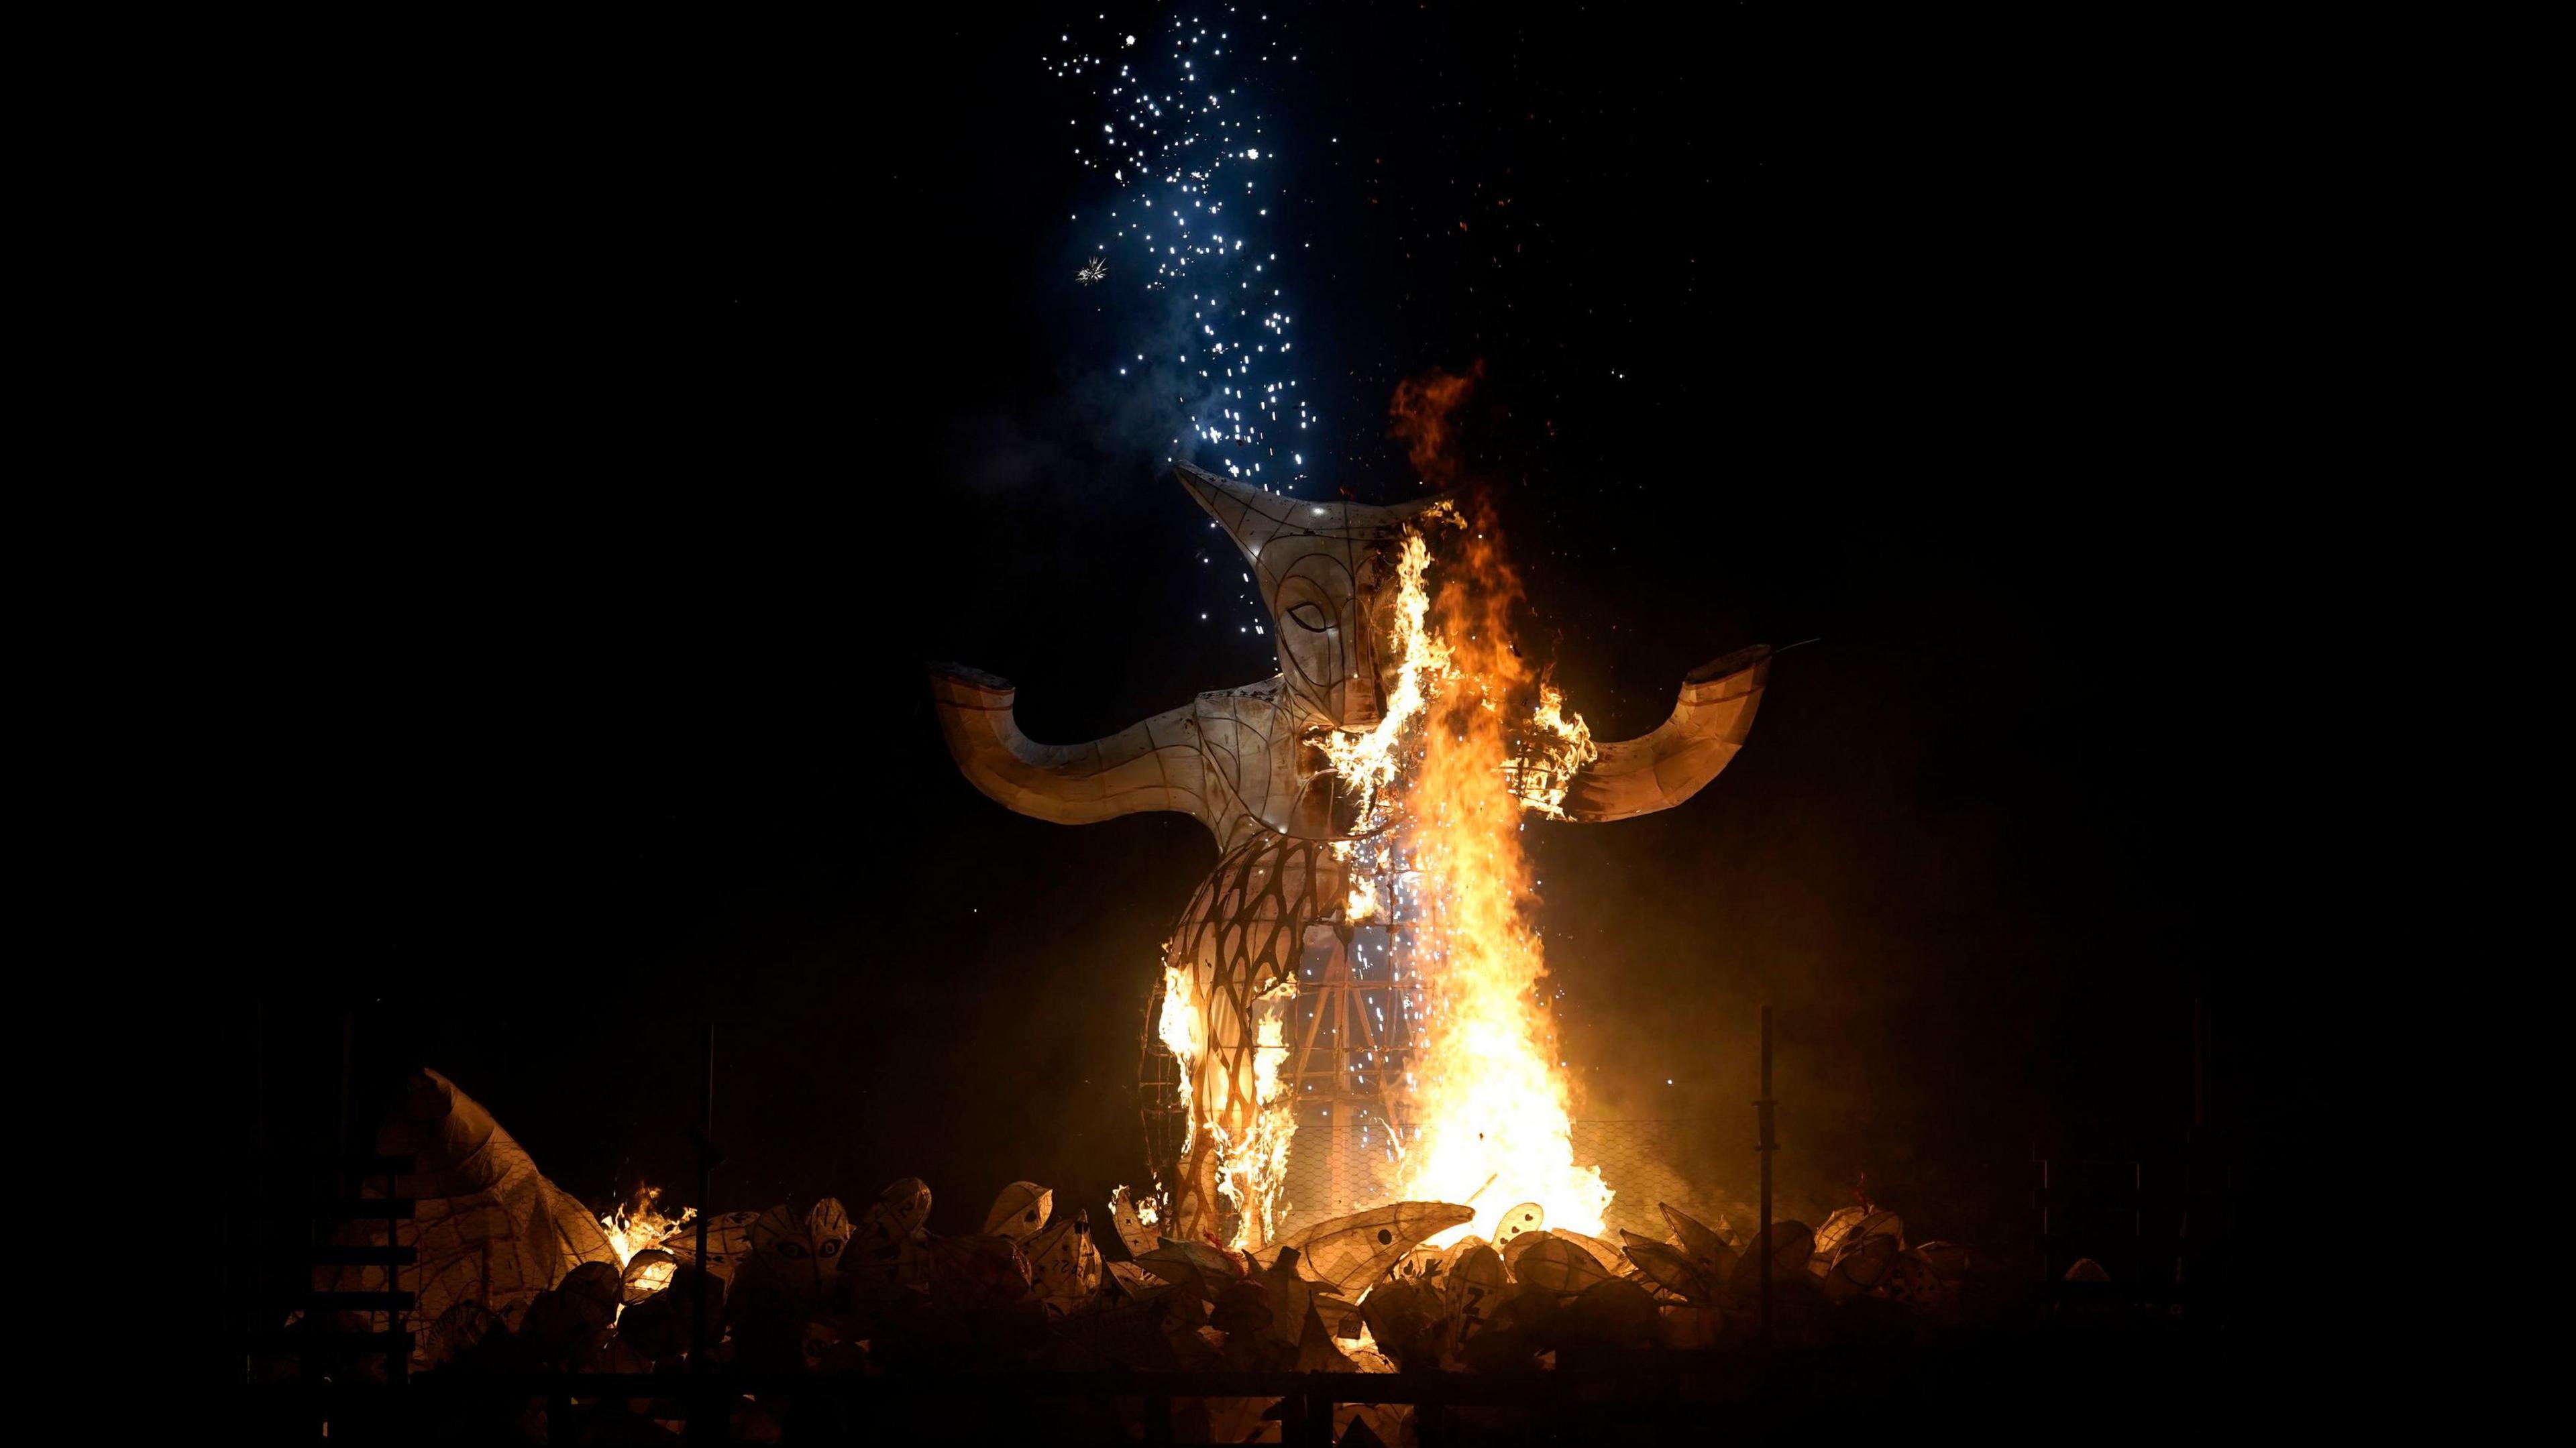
1273, 918
1277, 893
1262, 776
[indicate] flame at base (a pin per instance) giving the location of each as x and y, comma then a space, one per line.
639, 1225
1248, 1172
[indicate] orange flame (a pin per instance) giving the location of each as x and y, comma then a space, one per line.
1369, 762
639, 1224
1467, 739
1179, 1028
1419, 417
1489, 1105
1249, 1173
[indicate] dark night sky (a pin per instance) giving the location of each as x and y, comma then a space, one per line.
660, 417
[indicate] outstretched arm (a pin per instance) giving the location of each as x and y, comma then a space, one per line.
1659, 770
1153, 765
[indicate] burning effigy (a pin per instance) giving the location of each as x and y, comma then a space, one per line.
1366, 803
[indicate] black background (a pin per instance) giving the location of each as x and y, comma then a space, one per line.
612, 425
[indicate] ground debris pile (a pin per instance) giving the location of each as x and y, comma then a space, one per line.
818, 1290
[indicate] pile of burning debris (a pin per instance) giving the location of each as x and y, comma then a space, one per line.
816, 1292
517, 1278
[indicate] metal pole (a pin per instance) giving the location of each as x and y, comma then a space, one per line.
2138, 1228
348, 1086
704, 1425
398, 1354
706, 1175
2199, 1067
245, 1275
2194, 1175
2047, 1224
1764, 1147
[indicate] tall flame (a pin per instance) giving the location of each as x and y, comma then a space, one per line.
1488, 1102
1469, 738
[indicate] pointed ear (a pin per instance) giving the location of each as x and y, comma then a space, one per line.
1224, 501
1247, 514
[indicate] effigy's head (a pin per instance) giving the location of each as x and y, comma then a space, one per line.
1327, 574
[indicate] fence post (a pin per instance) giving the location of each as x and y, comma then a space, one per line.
710, 1414
1318, 1415
1764, 1146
